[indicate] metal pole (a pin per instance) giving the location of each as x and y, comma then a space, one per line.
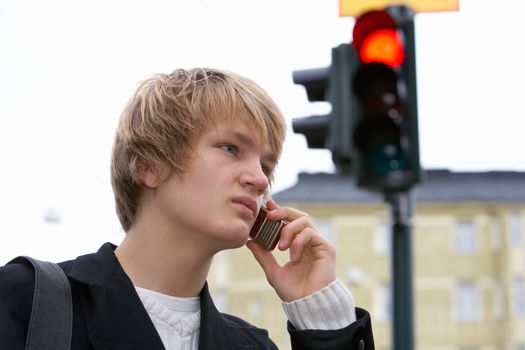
402, 293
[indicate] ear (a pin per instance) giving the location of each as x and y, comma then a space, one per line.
150, 179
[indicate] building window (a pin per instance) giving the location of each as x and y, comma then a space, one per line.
355, 275
467, 302
255, 308
465, 237
326, 228
516, 224
519, 296
383, 302
383, 238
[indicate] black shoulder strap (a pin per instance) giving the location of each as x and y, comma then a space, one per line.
51, 322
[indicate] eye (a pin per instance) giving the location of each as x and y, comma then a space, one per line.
230, 148
266, 170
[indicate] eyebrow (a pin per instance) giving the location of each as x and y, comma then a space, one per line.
245, 139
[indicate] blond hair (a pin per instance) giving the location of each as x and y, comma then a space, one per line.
168, 112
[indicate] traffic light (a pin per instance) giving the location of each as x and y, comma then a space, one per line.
332, 84
385, 128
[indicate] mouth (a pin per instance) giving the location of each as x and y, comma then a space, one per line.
247, 205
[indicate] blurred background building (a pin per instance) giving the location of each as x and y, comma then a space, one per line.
469, 259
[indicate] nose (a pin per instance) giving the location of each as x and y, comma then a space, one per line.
254, 176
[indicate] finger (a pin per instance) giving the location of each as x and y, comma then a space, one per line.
299, 244
284, 213
291, 230
271, 205
264, 257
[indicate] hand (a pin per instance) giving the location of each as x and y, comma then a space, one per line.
312, 258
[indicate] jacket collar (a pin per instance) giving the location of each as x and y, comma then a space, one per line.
117, 319
115, 316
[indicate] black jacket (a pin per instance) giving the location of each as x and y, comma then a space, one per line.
108, 314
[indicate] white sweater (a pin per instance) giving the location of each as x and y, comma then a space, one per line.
177, 320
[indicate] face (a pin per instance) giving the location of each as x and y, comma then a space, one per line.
217, 198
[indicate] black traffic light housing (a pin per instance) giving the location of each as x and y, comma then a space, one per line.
385, 128
314, 128
332, 84
372, 129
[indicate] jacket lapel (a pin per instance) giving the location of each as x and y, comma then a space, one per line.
115, 316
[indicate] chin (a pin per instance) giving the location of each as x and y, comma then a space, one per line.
238, 237
237, 245
230, 244
232, 234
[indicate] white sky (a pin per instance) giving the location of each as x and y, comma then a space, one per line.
68, 67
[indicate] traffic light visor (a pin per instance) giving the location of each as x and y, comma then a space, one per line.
376, 38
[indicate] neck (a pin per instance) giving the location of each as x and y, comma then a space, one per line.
165, 262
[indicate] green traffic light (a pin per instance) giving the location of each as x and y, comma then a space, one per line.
384, 159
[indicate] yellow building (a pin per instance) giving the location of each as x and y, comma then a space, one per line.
468, 253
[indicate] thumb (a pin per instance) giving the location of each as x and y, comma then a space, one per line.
264, 257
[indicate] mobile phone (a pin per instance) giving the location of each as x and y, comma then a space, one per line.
264, 232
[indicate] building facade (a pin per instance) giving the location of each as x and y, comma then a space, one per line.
468, 259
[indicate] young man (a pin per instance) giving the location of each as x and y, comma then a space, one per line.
192, 161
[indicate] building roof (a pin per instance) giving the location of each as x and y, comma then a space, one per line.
437, 186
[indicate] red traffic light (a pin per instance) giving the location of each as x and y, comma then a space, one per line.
377, 39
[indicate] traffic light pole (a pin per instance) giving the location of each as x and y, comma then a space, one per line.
402, 292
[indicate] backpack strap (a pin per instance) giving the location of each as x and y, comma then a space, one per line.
51, 322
